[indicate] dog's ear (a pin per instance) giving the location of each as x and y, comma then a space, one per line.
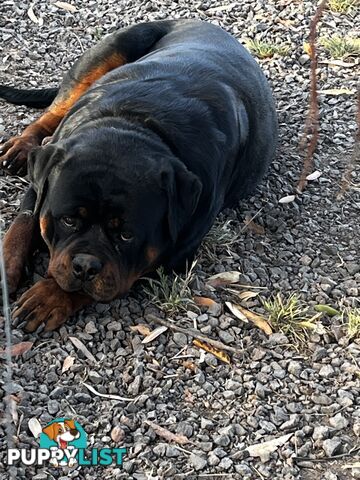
183, 190
51, 431
41, 160
71, 424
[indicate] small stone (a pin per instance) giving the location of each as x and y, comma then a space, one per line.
213, 460
53, 407
206, 423
180, 339
319, 354
330, 476
356, 428
222, 440
243, 469
305, 259
172, 452
326, 371
258, 354
160, 449
321, 399
94, 377
114, 326
320, 433
82, 397
225, 463
332, 446
226, 337
278, 338
117, 434
338, 422
295, 368
197, 462
90, 328
290, 424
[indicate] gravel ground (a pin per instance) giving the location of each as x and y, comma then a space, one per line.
309, 246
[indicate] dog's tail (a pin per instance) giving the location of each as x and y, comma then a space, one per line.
39, 98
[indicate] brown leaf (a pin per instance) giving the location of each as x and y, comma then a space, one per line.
256, 319
18, 349
154, 334
68, 363
66, 6
204, 301
235, 311
166, 434
223, 278
143, 329
190, 365
80, 346
307, 48
246, 295
254, 227
12, 401
224, 357
188, 396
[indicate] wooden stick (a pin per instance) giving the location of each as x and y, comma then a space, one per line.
194, 333
312, 120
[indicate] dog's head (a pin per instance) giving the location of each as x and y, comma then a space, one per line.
62, 432
111, 204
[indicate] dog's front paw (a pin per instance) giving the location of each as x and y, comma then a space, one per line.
14, 154
46, 303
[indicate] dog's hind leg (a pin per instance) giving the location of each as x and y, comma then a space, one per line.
18, 241
115, 50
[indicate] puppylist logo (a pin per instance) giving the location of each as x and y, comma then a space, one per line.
63, 443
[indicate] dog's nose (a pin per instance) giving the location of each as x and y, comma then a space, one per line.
86, 267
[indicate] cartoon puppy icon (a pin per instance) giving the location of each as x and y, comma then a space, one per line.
62, 433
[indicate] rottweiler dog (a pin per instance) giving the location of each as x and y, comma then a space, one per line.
152, 132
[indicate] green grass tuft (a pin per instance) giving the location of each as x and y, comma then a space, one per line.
171, 293
353, 325
341, 6
266, 49
291, 317
339, 47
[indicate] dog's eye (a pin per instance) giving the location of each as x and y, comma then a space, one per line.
70, 222
126, 237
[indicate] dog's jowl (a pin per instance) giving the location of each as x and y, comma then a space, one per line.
152, 133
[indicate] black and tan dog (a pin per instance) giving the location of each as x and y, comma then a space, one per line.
153, 132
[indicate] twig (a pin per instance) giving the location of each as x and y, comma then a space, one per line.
355, 157
328, 459
194, 333
109, 395
312, 120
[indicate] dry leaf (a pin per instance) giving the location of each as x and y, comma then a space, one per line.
68, 363
339, 63
190, 365
247, 295
166, 434
18, 349
154, 334
264, 449
307, 48
188, 396
254, 227
204, 301
35, 427
224, 357
314, 176
12, 402
287, 199
117, 434
32, 15
351, 465
107, 395
256, 319
80, 346
143, 329
221, 8
235, 311
337, 91
66, 6
223, 278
